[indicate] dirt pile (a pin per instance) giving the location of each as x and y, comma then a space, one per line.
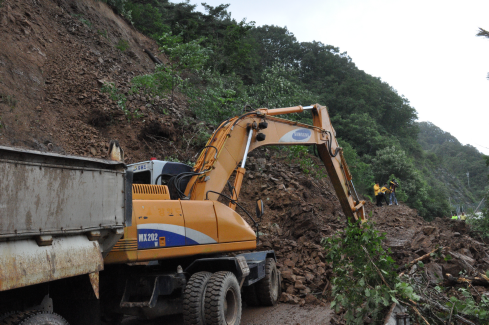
410, 237
302, 210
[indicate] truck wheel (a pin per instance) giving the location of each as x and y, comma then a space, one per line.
222, 300
250, 296
34, 317
194, 297
269, 288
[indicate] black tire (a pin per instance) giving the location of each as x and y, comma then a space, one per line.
223, 300
269, 288
35, 317
194, 299
250, 297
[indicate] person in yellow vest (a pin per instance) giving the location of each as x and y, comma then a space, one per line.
377, 193
463, 217
385, 191
455, 217
393, 186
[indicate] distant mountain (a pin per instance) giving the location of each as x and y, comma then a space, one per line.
450, 161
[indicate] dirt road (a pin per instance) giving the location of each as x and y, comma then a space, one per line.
283, 314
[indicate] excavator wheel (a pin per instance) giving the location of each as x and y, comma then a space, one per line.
34, 317
194, 297
223, 300
269, 288
250, 296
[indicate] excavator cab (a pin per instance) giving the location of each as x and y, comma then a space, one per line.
158, 172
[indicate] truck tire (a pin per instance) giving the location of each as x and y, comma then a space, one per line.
223, 300
194, 299
269, 288
250, 296
34, 317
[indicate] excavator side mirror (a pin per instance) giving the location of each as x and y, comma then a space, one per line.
260, 208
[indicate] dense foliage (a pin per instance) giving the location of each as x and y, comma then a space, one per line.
365, 282
223, 65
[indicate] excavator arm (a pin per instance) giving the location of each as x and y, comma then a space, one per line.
232, 141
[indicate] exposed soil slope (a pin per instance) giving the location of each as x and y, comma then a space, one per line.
55, 57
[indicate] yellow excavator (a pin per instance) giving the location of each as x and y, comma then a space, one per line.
172, 258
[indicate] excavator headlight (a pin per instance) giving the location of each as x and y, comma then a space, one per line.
262, 125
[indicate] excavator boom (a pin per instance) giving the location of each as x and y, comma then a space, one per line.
236, 137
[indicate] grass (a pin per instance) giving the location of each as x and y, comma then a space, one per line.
11, 101
122, 45
86, 22
103, 33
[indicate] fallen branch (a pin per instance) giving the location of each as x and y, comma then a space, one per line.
419, 314
402, 268
154, 58
484, 276
451, 280
375, 266
389, 313
325, 288
445, 309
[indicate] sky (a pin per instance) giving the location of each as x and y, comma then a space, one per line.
425, 49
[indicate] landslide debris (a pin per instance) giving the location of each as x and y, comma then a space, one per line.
58, 54
302, 210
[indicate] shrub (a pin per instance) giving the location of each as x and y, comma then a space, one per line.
365, 282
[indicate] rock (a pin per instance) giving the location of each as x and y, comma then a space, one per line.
290, 289
451, 268
428, 230
288, 275
289, 263
434, 271
311, 299
463, 257
261, 163
456, 234
285, 297
420, 241
466, 252
309, 277
298, 285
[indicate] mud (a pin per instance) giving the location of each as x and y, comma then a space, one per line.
281, 314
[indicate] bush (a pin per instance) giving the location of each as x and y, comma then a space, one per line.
365, 282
